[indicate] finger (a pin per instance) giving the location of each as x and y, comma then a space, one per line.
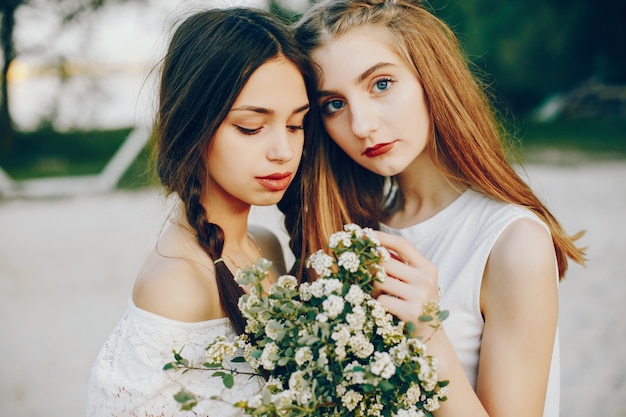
394, 287
398, 268
424, 271
404, 310
415, 284
417, 288
401, 249
406, 272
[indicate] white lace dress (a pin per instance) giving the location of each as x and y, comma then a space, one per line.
128, 377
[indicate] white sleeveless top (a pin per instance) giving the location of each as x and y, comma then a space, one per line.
128, 377
458, 240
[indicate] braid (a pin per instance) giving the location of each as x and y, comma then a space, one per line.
211, 240
211, 56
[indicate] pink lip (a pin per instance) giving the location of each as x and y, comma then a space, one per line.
276, 181
380, 149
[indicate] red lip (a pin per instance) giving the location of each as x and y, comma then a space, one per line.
380, 149
276, 181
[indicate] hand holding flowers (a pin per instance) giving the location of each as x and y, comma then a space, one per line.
328, 348
411, 282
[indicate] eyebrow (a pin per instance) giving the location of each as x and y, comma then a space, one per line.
263, 110
362, 77
369, 71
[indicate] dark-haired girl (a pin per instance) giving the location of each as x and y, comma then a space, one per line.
233, 97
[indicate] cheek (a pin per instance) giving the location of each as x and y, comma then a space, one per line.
222, 157
297, 150
413, 116
340, 132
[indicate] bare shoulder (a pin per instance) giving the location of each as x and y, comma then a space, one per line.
270, 245
525, 244
522, 261
178, 288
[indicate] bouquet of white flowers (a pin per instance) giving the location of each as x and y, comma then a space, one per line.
328, 348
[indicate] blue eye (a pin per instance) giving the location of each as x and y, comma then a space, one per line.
382, 84
333, 106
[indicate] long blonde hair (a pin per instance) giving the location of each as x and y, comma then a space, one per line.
468, 145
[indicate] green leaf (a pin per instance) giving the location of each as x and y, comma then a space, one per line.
186, 399
180, 359
425, 317
312, 340
219, 373
169, 366
281, 336
385, 385
367, 387
212, 365
410, 327
238, 359
229, 380
261, 411
443, 315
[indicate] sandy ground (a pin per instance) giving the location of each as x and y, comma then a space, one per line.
67, 267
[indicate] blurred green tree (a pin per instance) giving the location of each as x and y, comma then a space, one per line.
69, 11
532, 49
7, 25
286, 11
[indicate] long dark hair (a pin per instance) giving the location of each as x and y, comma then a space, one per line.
211, 56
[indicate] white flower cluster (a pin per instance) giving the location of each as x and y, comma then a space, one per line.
331, 347
221, 350
328, 347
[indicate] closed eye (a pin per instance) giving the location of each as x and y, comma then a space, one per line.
293, 128
246, 131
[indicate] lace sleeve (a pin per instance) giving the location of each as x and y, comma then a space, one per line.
128, 378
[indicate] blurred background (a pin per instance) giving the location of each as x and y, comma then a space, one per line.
76, 102
76, 74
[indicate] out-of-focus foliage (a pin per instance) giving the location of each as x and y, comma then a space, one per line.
532, 49
66, 11
289, 11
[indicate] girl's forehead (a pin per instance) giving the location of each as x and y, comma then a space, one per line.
362, 42
356, 51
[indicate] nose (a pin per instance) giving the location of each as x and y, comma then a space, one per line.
363, 119
282, 147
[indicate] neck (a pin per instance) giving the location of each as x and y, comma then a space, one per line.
239, 249
235, 228
231, 215
425, 191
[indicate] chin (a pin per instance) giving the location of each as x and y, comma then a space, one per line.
386, 171
269, 200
